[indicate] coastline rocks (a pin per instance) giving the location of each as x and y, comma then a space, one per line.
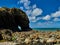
6, 34
42, 40
58, 41
50, 40
28, 40
8, 43
31, 38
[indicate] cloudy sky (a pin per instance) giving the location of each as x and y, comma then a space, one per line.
41, 13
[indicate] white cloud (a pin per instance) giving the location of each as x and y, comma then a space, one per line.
24, 1
33, 14
56, 19
31, 11
37, 12
26, 5
56, 14
32, 19
34, 6
21, 8
47, 17
28, 12
39, 18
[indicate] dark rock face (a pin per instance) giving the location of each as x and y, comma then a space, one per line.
11, 18
1, 37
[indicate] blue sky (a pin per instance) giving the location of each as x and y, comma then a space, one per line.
41, 13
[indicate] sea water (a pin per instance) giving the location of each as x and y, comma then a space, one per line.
46, 29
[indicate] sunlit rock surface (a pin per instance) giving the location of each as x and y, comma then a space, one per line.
30, 37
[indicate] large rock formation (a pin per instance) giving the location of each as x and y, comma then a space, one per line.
11, 18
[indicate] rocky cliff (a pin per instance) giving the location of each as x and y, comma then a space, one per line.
11, 18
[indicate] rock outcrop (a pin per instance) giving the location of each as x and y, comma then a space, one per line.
11, 18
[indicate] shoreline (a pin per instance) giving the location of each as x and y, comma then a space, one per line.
46, 29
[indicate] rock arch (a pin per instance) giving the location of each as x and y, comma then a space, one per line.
11, 18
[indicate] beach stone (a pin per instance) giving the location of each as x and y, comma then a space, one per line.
37, 42
6, 34
8, 43
50, 43
22, 43
27, 40
51, 40
58, 41
42, 40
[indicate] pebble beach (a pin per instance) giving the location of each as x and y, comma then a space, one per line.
33, 38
